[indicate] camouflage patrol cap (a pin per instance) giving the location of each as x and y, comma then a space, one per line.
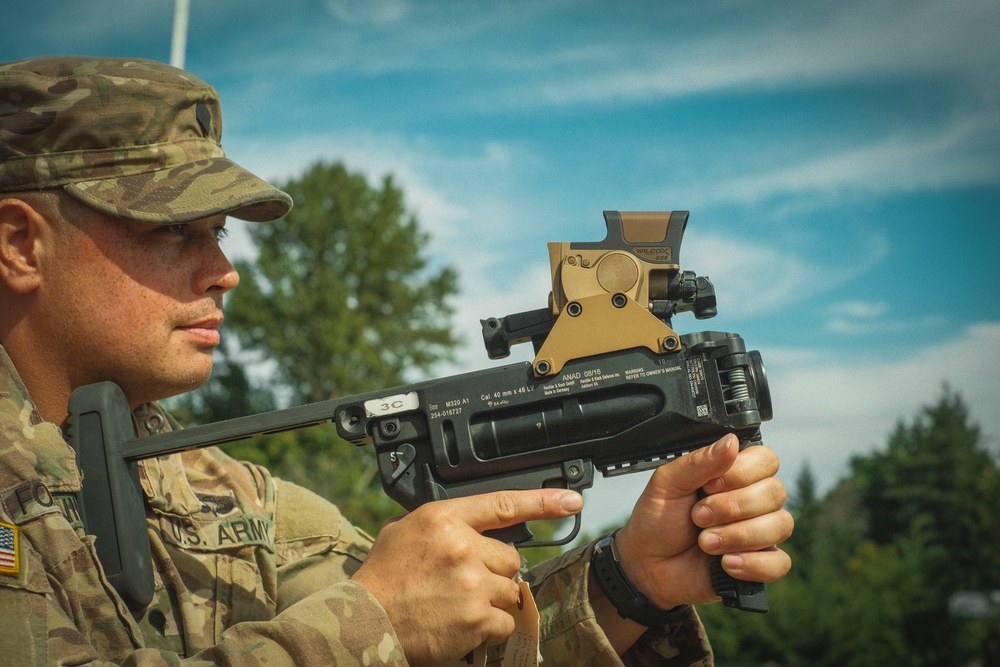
136, 139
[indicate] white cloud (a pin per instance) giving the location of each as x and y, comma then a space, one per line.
434, 182
959, 154
853, 41
671, 49
858, 309
279, 161
808, 44
859, 327
863, 318
383, 12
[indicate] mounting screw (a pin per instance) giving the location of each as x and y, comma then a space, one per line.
670, 344
389, 429
573, 309
543, 367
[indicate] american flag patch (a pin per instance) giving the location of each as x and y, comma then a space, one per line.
9, 546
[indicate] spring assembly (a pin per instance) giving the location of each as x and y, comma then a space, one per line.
738, 389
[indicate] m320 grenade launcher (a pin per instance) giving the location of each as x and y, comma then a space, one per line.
611, 387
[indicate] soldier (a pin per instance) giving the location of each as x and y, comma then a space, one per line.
114, 192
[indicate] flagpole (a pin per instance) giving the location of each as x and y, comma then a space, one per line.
178, 43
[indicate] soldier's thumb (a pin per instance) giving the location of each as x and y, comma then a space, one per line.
689, 473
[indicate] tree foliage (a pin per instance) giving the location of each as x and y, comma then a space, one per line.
878, 559
340, 300
341, 296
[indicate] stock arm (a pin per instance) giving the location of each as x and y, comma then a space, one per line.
612, 388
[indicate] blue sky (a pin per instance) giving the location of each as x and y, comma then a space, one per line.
841, 162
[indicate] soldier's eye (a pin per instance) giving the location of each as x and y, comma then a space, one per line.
176, 230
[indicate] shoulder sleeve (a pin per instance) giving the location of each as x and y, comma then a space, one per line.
315, 545
317, 549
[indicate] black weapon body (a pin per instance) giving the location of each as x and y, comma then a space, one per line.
495, 429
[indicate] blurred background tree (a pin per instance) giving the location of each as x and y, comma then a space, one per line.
880, 561
341, 300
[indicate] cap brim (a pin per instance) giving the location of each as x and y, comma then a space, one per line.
185, 193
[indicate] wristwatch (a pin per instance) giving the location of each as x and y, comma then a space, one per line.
629, 602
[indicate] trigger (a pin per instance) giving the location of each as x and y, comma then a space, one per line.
518, 535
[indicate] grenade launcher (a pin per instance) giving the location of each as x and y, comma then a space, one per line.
612, 386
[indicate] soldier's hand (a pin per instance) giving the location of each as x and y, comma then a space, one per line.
666, 545
443, 585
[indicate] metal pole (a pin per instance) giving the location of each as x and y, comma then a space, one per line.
179, 42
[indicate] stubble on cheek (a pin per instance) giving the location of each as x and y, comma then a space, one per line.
131, 299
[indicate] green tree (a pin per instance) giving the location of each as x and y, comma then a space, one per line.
934, 495
340, 300
805, 506
341, 296
876, 560
228, 393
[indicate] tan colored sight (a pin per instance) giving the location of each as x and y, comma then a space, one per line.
601, 297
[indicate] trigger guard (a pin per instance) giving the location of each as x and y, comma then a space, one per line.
522, 537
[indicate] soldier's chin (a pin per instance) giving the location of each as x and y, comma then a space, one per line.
177, 386
197, 381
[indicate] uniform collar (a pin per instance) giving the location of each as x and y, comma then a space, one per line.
30, 447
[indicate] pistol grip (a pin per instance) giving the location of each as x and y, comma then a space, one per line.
736, 593
743, 595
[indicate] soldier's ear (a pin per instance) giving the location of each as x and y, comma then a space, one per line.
21, 227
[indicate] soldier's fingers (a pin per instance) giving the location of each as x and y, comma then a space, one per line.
497, 628
761, 497
753, 464
501, 559
506, 595
685, 475
500, 509
766, 565
753, 534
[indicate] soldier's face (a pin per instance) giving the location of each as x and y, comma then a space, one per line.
141, 303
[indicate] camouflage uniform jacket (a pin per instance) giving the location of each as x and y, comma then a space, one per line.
248, 570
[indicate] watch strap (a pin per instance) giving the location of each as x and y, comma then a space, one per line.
627, 600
